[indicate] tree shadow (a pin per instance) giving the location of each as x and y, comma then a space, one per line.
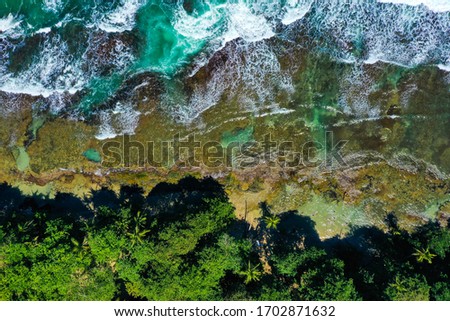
265, 209
297, 230
10, 198
104, 198
294, 231
132, 196
63, 205
371, 256
170, 201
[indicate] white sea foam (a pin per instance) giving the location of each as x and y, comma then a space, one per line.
20, 86
8, 23
434, 5
364, 120
195, 26
225, 21
444, 67
276, 111
122, 18
354, 31
377, 57
44, 30
122, 120
251, 74
251, 68
53, 71
52, 5
295, 10
105, 131
398, 34
355, 89
243, 23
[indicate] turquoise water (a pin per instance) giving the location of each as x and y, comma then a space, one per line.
93, 155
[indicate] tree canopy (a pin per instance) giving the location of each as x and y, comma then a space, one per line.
183, 242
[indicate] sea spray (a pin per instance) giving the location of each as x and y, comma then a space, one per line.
127, 37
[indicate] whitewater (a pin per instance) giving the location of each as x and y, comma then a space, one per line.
74, 47
434, 5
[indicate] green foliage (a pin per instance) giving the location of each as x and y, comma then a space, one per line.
290, 264
441, 291
138, 233
436, 239
408, 289
326, 280
52, 270
272, 221
273, 291
202, 252
251, 273
424, 255
106, 246
184, 259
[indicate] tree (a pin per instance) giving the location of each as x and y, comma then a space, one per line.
413, 288
272, 221
441, 291
424, 255
202, 253
326, 281
251, 273
137, 235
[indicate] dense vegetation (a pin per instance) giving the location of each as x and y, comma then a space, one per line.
183, 242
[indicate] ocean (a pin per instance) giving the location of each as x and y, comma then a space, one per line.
58, 49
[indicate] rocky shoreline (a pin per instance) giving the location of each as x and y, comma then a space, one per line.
394, 162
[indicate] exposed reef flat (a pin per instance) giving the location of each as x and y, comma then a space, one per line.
393, 161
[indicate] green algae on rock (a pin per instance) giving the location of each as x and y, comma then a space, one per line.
22, 158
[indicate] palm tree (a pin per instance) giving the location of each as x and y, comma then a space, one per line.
80, 247
399, 284
424, 255
26, 227
138, 235
251, 273
272, 221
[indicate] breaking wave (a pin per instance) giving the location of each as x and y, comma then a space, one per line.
126, 37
